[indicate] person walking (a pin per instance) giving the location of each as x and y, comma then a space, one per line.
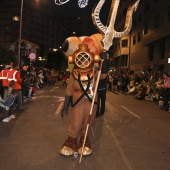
102, 88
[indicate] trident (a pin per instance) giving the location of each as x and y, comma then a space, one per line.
108, 34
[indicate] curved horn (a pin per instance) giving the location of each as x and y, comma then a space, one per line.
128, 21
96, 19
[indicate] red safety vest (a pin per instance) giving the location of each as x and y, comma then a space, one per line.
12, 76
3, 77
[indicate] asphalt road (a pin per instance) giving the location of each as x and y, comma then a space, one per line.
132, 135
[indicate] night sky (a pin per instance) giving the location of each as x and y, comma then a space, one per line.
71, 8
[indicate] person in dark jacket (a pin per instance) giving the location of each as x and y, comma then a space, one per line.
101, 91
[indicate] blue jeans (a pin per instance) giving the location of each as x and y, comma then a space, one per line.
9, 101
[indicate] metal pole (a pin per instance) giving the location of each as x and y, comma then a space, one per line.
91, 109
20, 31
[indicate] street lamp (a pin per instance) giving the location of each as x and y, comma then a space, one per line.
20, 31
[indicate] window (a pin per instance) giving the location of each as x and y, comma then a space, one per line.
162, 49
140, 18
118, 46
134, 39
145, 31
151, 53
147, 7
168, 15
125, 43
156, 21
124, 12
134, 23
139, 36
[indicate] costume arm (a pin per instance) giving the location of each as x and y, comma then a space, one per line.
68, 96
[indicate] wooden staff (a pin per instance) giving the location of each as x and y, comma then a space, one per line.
91, 109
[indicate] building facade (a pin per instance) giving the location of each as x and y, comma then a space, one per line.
147, 46
42, 30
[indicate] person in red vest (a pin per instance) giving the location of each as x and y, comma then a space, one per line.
14, 74
3, 78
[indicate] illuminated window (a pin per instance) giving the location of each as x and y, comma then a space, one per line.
15, 18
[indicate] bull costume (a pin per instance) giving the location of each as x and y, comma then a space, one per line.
79, 94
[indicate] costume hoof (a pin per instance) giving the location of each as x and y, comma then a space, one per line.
66, 151
86, 151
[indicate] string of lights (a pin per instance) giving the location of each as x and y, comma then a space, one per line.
81, 3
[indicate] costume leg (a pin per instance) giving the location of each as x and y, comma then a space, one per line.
70, 145
87, 147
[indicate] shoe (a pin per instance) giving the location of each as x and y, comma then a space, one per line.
20, 111
12, 116
7, 108
6, 119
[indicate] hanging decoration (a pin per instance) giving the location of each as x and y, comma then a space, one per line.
81, 3
61, 2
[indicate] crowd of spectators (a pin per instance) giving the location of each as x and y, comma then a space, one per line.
29, 80
150, 86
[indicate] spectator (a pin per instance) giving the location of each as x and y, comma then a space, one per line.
3, 78
141, 94
14, 74
166, 91
6, 106
149, 96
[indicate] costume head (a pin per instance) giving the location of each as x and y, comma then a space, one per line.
82, 48
83, 58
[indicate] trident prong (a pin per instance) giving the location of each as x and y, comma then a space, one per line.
108, 31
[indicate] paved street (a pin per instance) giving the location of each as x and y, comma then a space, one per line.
132, 135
